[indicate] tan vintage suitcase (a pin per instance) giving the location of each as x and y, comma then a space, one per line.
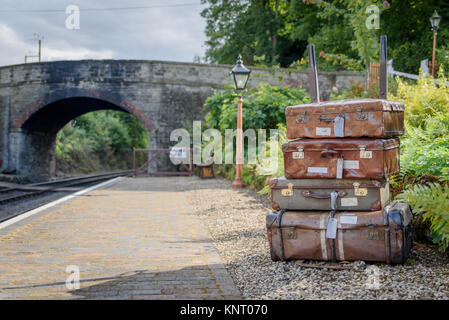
376, 118
385, 235
315, 194
346, 158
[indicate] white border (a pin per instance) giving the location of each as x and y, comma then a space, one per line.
27, 214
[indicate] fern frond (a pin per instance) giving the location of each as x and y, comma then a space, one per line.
433, 201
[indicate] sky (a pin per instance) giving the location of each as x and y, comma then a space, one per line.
173, 32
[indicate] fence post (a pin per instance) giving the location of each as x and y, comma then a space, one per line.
134, 161
373, 73
424, 67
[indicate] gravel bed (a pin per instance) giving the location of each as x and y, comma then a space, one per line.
236, 222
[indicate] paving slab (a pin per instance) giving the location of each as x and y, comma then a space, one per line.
134, 239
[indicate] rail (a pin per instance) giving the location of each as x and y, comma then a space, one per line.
10, 192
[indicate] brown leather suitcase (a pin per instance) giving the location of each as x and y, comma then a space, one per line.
315, 194
346, 158
384, 236
374, 118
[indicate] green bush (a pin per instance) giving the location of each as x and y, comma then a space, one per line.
425, 154
425, 100
425, 144
433, 202
99, 141
263, 107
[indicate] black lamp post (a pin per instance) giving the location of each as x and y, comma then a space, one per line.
435, 22
240, 75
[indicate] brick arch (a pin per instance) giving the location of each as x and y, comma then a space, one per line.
116, 102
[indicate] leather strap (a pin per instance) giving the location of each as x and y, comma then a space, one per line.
332, 241
281, 238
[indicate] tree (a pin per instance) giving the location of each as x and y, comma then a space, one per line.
276, 32
254, 28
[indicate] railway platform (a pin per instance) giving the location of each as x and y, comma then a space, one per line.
135, 238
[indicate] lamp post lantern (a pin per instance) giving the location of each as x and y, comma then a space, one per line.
435, 22
240, 75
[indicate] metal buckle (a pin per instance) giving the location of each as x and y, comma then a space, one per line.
289, 233
287, 192
361, 116
301, 117
376, 234
359, 192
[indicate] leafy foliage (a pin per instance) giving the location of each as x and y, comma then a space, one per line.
433, 201
100, 140
278, 31
263, 107
251, 28
424, 174
425, 100
425, 145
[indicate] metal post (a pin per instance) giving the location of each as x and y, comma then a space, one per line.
134, 161
383, 76
39, 54
238, 183
434, 52
314, 88
191, 162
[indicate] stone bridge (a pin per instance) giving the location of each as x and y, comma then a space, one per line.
38, 99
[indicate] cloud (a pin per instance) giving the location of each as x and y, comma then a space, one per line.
174, 34
14, 50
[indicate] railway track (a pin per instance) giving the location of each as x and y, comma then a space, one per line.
13, 192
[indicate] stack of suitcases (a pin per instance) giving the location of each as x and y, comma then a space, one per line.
334, 202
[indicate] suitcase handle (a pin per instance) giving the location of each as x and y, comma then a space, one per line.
322, 118
330, 152
310, 194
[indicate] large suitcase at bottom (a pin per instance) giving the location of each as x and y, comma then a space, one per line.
383, 236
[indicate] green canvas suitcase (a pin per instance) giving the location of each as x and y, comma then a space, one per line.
315, 194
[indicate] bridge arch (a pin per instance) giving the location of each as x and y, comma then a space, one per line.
51, 113
36, 128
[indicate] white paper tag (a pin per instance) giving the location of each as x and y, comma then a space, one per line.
351, 164
331, 232
348, 219
316, 170
339, 126
348, 202
323, 131
298, 155
366, 154
339, 168
334, 197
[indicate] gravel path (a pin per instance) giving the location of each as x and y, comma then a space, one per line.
236, 222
